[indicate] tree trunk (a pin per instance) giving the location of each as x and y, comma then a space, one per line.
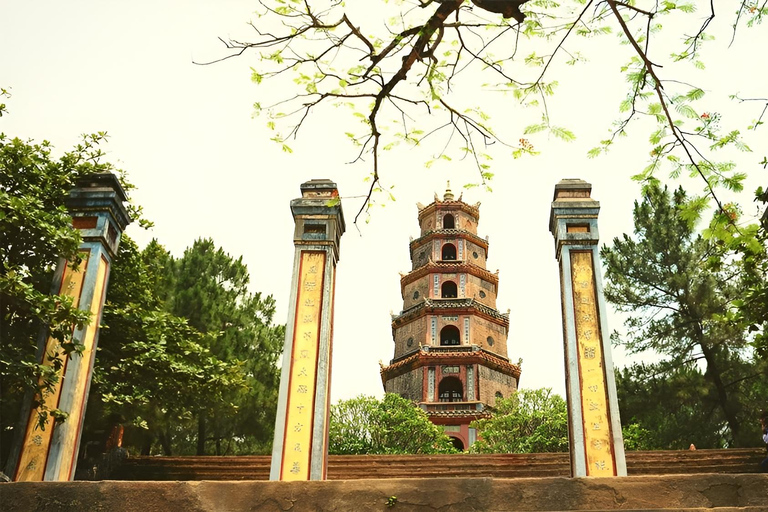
146, 445
201, 433
713, 373
165, 443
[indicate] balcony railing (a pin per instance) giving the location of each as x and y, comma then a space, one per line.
441, 349
452, 406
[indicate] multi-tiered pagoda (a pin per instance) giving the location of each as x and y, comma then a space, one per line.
450, 340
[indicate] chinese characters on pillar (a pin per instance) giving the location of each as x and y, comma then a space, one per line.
37, 442
301, 394
594, 400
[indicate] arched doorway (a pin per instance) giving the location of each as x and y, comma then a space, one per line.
449, 290
457, 443
448, 222
450, 390
449, 252
450, 335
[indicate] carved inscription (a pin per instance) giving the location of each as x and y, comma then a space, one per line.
37, 442
594, 400
301, 393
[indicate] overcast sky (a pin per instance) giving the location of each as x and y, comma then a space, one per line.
205, 168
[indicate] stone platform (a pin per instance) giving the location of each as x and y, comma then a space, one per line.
722, 492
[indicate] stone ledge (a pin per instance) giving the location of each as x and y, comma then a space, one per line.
671, 492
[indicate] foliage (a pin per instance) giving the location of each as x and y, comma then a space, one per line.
425, 56
184, 344
211, 291
677, 288
636, 437
36, 232
665, 408
155, 369
152, 368
750, 310
529, 421
393, 425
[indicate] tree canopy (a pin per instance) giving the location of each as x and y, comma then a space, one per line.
393, 425
188, 354
180, 338
434, 56
36, 231
529, 421
677, 289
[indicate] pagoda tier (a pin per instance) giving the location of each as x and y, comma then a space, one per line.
450, 340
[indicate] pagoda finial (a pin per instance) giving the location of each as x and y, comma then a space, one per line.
448, 194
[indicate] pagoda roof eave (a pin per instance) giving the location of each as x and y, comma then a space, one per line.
429, 235
432, 305
425, 357
473, 210
442, 266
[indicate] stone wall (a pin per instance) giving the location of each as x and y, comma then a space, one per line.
492, 382
474, 249
481, 290
409, 385
482, 329
420, 255
408, 337
415, 292
744, 492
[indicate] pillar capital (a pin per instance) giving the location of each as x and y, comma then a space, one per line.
96, 205
573, 215
318, 215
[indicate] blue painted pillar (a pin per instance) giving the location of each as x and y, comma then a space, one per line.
300, 448
96, 206
594, 429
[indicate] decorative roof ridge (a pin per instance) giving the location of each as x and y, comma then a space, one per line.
455, 231
454, 303
425, 352
458, 264
473, 209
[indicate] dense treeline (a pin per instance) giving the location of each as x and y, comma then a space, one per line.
187, 358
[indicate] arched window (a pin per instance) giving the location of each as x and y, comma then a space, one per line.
449, 252
449, 290
448, 222
499, 395
450, 390
450, 335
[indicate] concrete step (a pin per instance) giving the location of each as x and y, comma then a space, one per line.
354, 467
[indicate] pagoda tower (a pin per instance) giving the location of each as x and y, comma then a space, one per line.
450, 340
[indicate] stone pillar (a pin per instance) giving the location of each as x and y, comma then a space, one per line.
96, 206
300, 449
594, 429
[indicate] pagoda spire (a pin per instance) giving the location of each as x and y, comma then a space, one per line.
448, 196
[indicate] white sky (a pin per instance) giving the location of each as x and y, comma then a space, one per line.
205, 168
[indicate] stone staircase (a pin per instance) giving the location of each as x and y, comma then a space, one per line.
356, 467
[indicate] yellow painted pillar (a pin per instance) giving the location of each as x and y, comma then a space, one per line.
300, 449
50, 454
594, 429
